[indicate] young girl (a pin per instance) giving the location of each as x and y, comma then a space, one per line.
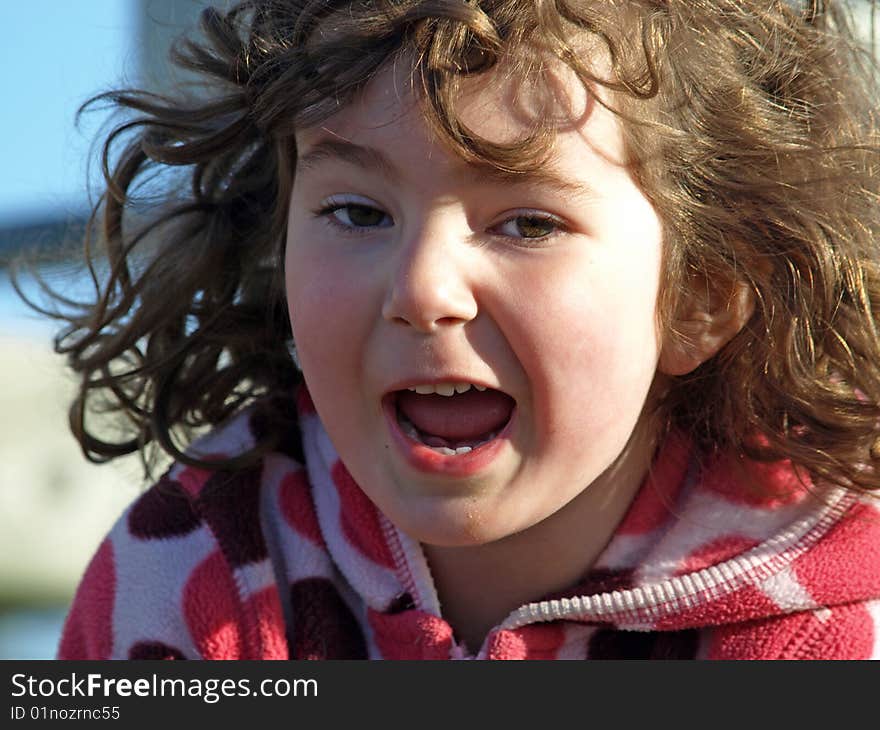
523, 329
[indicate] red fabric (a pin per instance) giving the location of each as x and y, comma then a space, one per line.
529, 642
843, 566
846, 632
412, 634
737, 608
296, 506
211, 611
756, 484
88, 630
715, 551
651, 506
360, 522
265, 622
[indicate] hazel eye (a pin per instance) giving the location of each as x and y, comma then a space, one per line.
529, 226
355, 216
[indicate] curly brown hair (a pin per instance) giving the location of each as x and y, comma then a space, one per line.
750, 125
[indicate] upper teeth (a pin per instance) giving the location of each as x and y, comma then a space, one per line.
445, 388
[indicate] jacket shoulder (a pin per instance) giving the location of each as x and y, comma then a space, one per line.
843, 632
849, 631
184, 572
131, 600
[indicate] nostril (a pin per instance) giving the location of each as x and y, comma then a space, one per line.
450, 320
427, 324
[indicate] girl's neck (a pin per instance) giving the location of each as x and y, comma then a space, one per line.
479, 586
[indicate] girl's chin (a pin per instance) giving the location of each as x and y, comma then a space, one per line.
460, 521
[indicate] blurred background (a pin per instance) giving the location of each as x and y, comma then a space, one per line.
55, 507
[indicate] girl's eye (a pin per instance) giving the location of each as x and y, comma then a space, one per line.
355, 215
529, 226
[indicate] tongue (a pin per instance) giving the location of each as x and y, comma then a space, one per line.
461, 416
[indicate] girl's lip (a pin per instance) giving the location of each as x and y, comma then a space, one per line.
425, 459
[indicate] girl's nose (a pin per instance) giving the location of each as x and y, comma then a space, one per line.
431, 286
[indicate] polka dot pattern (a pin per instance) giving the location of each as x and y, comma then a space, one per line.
154, 650
265, 621
324, 626
297, 509
211, 611
192, 479
360, 521
165, 511
230, 503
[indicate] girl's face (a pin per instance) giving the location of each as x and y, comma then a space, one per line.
406, 267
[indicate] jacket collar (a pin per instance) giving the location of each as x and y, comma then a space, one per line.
701, 544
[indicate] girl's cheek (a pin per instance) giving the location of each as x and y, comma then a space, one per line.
326, 306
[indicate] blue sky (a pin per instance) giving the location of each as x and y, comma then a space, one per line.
54, 55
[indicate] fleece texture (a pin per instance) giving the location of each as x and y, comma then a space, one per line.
290, 559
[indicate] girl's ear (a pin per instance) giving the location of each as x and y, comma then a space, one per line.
706, 321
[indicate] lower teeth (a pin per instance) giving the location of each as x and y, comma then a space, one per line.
410, 430
451, 452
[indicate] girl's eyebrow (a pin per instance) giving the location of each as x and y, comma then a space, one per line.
340, 150
374, 160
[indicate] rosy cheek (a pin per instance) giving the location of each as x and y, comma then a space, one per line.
309, 278
326, 318
307, 297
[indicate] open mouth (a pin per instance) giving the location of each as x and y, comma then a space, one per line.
451, 423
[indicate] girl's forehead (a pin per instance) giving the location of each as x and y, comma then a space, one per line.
507, 107
384, 131
497, 106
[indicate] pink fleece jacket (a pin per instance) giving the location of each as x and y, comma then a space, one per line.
289, 560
